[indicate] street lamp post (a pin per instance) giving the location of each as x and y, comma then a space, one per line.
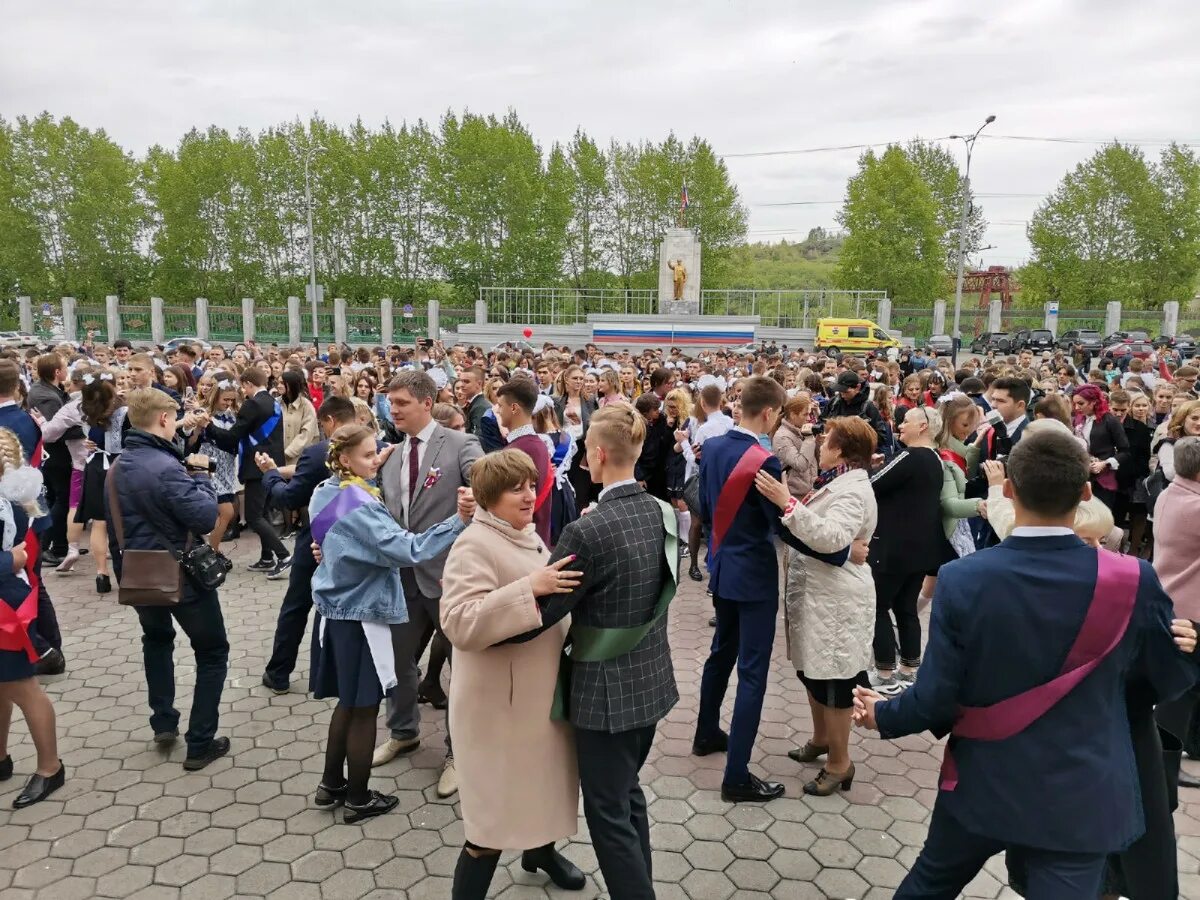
312, 254
962, 231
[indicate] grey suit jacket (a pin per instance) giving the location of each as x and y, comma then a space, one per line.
450, 452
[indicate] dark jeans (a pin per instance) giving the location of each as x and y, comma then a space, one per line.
293, 612
256, 521
896, 595
615, 807
201, 620
744, 636
952, 856
58, 496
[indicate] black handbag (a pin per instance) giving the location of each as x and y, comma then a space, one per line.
691, 494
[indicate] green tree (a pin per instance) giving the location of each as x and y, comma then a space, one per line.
22, 264
587, 256
892, 231
940, 171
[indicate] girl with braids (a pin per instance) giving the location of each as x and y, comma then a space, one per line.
104, 414
357, 591
221, 402
20, 487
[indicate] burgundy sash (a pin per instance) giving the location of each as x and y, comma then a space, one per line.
344, 502
737, 485
1105, 624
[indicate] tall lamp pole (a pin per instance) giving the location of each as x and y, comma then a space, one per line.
312, 254
962, 230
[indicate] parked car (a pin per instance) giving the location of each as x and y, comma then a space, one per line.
16, 340
940, 345
1000, 341
1119, 336
1183, 344
174, 344
1082, 340
1036, 339
1129, 349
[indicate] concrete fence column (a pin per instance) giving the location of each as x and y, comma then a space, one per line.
112, 315
339, 320
885, 313
434, 319
1050, 319
1170, 318
247, 319
387, 324
25, 314
995, 315
293, 308
939, 316
1112, 317
202, 330
480, 312
158, 320
69, 320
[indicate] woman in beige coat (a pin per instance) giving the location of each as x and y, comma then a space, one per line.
518, 781
299, 417
794, 444
830, 610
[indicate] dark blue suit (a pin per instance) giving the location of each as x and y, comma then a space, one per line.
294, 493
1063, 792
744, 580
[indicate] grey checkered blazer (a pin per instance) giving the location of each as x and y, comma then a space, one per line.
620, 550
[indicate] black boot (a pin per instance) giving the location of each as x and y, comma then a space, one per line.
473, 875
561, 870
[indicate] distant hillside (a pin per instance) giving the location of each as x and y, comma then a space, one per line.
789, 266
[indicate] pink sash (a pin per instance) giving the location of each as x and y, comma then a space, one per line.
1105, 624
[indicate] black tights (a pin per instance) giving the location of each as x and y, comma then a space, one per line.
695, 535
351, 744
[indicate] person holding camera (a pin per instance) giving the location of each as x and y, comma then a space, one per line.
166, 502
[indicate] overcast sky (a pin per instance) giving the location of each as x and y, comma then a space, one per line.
749, 76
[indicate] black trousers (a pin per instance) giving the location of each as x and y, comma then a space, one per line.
615, 807
896, 595
57, 476
293, 612
45, 632
256, 521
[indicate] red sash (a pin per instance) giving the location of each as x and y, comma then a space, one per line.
1105, 624
737, 486
544, 494
14, 623
951, 456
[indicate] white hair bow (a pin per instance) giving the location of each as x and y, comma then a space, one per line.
543, 401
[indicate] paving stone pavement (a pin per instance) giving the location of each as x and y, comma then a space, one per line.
132, 823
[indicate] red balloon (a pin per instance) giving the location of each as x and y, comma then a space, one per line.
528, 332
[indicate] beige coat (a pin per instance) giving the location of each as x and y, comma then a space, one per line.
518, 780
299, 429
830, 611
799, 457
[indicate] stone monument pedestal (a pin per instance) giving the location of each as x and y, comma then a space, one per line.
679, 244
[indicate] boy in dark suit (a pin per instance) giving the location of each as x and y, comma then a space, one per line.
1033, 753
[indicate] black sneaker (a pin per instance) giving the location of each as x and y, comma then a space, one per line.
280, 571
263, 565
272, 686
166, 738
51, 663
217, 748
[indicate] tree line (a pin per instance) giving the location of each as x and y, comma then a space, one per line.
401, 211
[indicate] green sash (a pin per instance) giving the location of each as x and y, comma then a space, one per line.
591, 644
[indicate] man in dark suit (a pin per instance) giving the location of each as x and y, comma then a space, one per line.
744, 580
258, 429
1006, 622
615, 704
470, 397
294, 492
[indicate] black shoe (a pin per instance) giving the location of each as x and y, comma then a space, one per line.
753, 790
263, 565
166, 738
103, 584
330, 796
51, 559
6, 768
274, 687
52, 663
217, 748
280, 570
39, 788
431, 692
564, 873
232, 533
712, 623
377, 804
718, 743
695, 574
1188, 781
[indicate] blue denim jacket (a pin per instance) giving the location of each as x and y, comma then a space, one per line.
359, 578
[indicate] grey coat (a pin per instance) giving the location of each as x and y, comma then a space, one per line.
450, 452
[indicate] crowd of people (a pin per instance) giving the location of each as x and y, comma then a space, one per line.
494, 506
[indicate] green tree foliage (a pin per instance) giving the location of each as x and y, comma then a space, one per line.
893, 236
1118, 228
810, 264
940, 171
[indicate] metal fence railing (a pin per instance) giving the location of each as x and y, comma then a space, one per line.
791, 309
91, 320
564, 306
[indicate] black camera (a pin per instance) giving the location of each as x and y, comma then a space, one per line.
818, 428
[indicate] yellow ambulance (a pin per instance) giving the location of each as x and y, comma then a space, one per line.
852, 334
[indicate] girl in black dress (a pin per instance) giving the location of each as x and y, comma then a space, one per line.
104, 415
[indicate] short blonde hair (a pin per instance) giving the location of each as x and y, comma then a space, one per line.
146, 403
495, 473
620, 430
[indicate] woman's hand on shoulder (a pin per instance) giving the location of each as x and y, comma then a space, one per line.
772, 488
555, 578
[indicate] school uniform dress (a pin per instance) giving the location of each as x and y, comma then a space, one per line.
15, 663
225, 478
109, 442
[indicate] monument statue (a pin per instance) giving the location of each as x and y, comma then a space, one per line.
679, 276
